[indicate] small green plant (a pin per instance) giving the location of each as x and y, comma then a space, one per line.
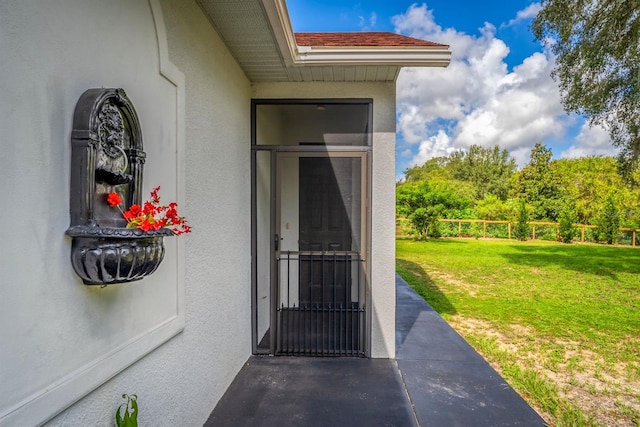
475, 230
127, 413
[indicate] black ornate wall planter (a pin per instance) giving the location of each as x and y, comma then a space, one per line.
107, 157
104, 256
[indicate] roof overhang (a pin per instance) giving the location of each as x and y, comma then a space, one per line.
295, 55
259, 35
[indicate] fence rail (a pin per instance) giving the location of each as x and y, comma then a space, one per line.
542, 230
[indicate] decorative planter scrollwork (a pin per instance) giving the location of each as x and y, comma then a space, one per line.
107, 156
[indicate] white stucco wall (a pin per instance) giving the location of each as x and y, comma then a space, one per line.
56, 332
382, 233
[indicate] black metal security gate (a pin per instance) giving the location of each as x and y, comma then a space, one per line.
321, 310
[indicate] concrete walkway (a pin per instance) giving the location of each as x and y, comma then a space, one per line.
437, 380
448, 382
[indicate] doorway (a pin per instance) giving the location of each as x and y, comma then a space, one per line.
310, 228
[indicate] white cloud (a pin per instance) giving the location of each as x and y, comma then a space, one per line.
476, 100
367, 24
434, 146
589, 142
524, 108
527, 13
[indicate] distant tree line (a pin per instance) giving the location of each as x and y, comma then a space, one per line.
484, 183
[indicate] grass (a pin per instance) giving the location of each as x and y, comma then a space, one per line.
561, 322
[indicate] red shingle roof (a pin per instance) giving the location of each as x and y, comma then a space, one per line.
360, 39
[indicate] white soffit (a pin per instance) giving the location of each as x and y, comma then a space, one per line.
246, 31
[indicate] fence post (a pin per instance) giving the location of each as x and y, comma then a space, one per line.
484, 229
459, 228
533, 232
634, 237
509, 230
582, 239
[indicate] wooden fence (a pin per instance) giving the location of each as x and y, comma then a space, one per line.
583, 227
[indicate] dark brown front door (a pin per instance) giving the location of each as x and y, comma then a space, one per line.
325, 230
325, 192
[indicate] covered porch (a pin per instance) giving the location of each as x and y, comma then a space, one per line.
437, 379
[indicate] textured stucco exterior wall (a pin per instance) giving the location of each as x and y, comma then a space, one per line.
382, 233
218, 190
195, 125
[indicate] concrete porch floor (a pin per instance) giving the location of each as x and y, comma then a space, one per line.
437, 379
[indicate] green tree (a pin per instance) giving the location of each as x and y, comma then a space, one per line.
539, 186
477, 172
588, 181
434, 168
425, 203
522, 226
489, 169
610, 220
567, 219
597, 48
437, 172
492, 208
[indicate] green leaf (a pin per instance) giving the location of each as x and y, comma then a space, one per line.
119, 420
134, 410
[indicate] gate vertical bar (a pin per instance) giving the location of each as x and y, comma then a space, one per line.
359, 308
289, 332
317, 322
333, 306
322, 300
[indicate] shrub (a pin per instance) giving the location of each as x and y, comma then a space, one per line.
522, 227
425, 222
567, 218
609, 220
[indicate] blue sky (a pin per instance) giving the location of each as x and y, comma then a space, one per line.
497, 90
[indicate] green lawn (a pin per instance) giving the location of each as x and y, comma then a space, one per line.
561, 322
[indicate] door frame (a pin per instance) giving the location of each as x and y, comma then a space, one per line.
362, 151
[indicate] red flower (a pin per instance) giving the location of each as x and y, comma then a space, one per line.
114, 199
152, 215
171, 213
154, 195
149, 209
146, 225
133, 212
